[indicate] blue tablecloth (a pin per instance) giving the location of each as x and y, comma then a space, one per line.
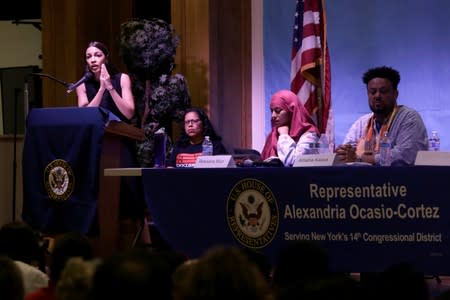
366, 218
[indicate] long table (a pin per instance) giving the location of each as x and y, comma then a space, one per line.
366, 218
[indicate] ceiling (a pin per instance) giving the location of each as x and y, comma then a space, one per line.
20, 10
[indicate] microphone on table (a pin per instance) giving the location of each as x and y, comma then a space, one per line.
87, 76
248, 163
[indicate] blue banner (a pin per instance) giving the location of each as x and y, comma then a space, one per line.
366, 218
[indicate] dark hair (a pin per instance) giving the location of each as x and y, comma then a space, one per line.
100, 46
207, 126
401, 280
299, 261
224, 272
131, 273
20, 241
336, 286
71, 244
382, 72
261, 261
109, 66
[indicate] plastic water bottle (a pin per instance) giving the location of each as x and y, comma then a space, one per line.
160, 148
323, 144
312, 148
385, 150
207, 146
434, 142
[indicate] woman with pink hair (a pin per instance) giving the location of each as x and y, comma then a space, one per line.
293, 130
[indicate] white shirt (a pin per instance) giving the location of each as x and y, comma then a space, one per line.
288, 150
33, 278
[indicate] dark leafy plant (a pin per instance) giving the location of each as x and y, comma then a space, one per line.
148, 49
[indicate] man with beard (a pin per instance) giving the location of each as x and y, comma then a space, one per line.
402, 124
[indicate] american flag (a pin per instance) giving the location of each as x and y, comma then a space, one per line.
310, 64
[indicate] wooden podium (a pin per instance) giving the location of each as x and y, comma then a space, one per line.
109, 187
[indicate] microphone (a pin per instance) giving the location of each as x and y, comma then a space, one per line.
87, 76
248, 163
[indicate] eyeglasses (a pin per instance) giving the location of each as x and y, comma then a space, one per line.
195, 121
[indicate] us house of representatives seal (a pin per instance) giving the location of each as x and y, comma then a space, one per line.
252, 213
59, 180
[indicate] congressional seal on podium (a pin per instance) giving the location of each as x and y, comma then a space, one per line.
252, 213
59, 180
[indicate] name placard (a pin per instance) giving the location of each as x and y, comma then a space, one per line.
317, 160
432, 158
215, 161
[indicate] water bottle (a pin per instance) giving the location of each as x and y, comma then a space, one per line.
434, 142
313, 148
160, 148
385, 150
323, 144
207, 146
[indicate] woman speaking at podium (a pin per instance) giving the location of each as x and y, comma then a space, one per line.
103, 85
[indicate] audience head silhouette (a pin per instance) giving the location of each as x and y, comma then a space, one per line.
21, 242
330, 287
226, 273
75, 282
132, 274
300, 261
71, 244
401, 281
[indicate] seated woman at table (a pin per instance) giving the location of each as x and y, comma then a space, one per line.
292, 129
189, 146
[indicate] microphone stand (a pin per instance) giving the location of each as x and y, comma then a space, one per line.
14, 184
25, 109
65, 84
